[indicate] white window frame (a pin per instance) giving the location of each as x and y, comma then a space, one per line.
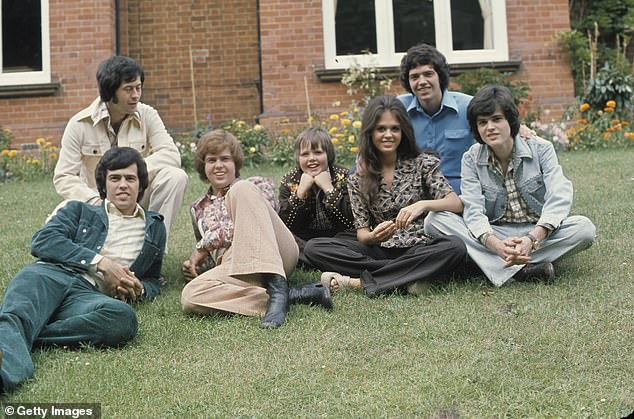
31, 77
387, 57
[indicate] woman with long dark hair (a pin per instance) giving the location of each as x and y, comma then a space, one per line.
394, 187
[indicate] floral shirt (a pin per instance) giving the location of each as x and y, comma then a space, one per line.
415, 179
212, 224
320, 214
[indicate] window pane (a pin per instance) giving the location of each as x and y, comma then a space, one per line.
355, 27
21, 35
413, 23
468, 23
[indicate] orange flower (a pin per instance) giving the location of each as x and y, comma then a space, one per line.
584, 107
610, 104
629, 136
608, 109
582, 121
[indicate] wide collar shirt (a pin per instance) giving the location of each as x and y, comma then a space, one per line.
446, 132
414, 179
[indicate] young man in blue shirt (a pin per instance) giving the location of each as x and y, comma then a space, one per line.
438, 115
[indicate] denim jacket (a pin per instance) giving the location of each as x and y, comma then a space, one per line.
538, 176
75, 235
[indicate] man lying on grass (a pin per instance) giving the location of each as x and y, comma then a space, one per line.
517, 201
93, 261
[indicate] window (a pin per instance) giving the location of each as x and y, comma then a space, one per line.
25, 52
465, 31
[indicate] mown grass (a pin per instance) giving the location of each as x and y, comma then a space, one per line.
463, 350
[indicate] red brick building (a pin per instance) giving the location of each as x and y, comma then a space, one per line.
265, 59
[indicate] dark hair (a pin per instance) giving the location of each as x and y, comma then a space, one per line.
315, 138
486, 100
424, 54
369, 156
115, 71
120, 158
213, 142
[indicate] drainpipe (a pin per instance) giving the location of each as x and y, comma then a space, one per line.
117, 24
259, 83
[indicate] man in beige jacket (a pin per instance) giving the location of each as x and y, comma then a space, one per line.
116, 119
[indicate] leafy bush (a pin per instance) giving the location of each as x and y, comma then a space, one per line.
598, 127
366, 80
575, 44
612, 83
471, 80
29, 165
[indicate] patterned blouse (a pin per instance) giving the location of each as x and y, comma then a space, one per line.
415, 179
320, 214
212, 224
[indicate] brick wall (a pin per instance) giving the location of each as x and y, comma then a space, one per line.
82, 35
292, 45
224, 45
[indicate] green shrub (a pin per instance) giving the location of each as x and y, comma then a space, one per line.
29, 165
612, 82
471, 80
598, 127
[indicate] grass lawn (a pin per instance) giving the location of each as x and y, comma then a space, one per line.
464, 350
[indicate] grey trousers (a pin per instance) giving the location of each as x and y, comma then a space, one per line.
576, 233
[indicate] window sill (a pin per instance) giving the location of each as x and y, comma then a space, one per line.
334, 75
29, 90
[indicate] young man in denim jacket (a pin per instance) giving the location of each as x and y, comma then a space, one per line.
517, 201
92, 261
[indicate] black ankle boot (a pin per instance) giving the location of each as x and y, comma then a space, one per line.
312, 294
277, 289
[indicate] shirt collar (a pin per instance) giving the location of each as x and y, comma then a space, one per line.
100, 112
448, 101
111, 209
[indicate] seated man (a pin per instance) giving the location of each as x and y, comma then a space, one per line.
92, 260
117, 118
516, 198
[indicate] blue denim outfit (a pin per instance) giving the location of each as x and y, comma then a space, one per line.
541, 184
50, 303
447, 132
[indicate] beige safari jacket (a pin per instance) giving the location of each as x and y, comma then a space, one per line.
86, 139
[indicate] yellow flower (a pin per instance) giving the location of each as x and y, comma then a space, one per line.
354, 149
258, 127
351, 138
40, 141
334, 140
584, 107
625, 124
340, 135
356, 124
252, 149
332, 130
610, 104
53, 148
284, 121
344, 113
629, 135
35, 161
345, 121
355, 110
284, 132
334, 117
13, 153
310, 120
4, 152
53, 156
48, 144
